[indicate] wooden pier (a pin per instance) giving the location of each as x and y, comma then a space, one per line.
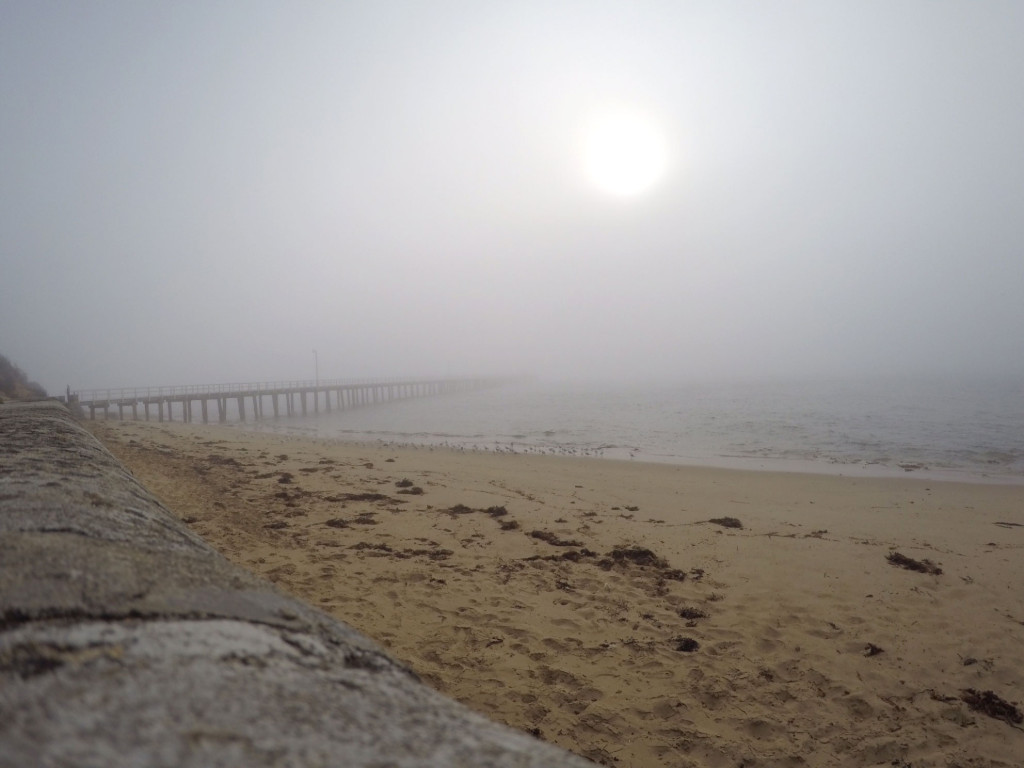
262, 400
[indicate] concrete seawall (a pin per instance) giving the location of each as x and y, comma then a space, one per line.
125, 640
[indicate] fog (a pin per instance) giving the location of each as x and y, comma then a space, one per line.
209, 192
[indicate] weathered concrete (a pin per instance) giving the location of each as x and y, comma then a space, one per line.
125, 640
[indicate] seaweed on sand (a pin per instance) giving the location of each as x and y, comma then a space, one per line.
638, 555
692, 613
921, 566
686, 644
407, 486
992, 705
366, 497
726, 522
554, 540
644, 558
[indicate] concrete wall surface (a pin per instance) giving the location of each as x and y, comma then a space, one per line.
125, 640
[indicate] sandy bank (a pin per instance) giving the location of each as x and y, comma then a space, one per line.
520, 585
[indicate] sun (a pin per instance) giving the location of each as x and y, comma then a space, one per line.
624, 152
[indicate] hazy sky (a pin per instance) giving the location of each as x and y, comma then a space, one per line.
208, 191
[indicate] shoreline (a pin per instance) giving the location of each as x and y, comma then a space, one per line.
850, 428
804, 466
573, 623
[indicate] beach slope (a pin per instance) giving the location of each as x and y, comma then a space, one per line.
640, 614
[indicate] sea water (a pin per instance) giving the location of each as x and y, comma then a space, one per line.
972, 429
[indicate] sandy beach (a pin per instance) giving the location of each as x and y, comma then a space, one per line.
640, 614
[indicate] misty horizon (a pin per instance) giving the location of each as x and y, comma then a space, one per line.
200, 195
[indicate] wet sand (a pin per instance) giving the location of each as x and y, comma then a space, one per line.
599, 605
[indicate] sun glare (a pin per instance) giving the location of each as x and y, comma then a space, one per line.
624, 152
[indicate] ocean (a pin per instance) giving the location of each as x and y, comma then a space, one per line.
946, 429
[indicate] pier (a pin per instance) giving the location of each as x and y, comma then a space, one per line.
225, 402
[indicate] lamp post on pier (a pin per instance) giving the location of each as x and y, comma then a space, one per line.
316, 369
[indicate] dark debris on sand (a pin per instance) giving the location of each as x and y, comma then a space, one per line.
383, 550
644, 558
572, 555
407, 487
992, 705
686, 644
910, 564
637, 555
692, 613
366, 497
621, 556
554, 540
726, 522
